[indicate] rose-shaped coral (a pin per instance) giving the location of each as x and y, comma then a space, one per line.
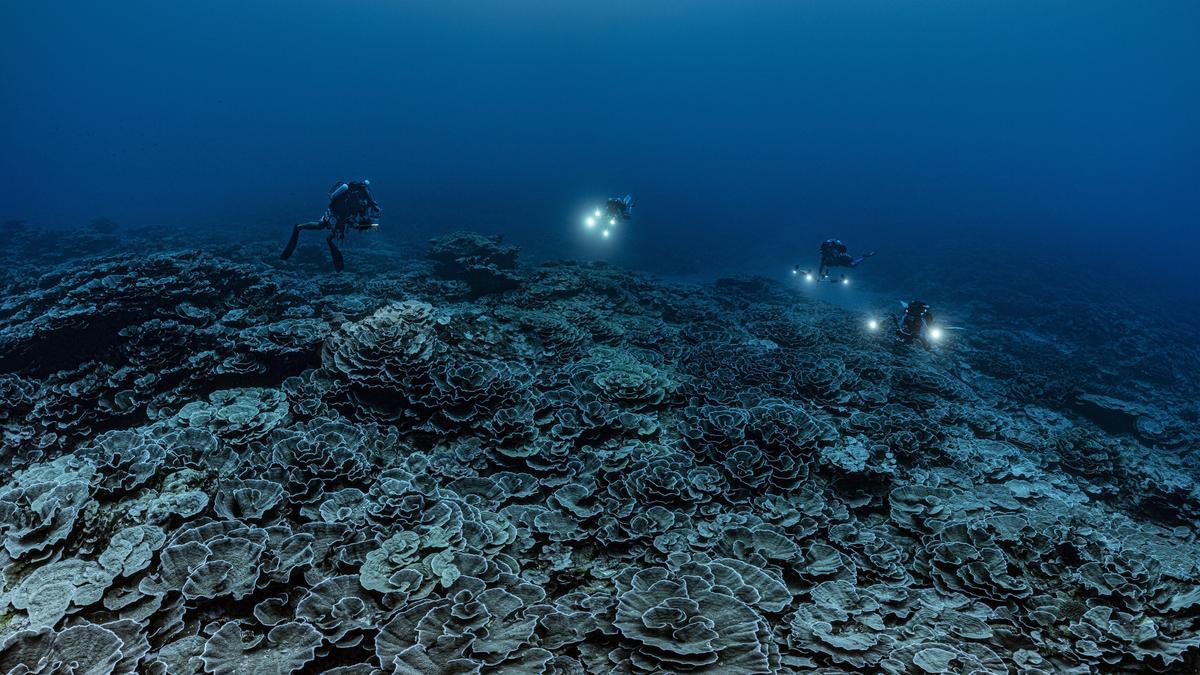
688, 623
618, 378
238, 415
383, 350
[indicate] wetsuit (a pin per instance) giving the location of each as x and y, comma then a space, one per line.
912, 324
835, 254
619, 207
350, 206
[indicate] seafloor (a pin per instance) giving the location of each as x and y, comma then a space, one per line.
214, 462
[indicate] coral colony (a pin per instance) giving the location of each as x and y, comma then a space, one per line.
466, 465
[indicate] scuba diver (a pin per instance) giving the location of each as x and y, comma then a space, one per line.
916, 324
835, 254
351, 206
618, 208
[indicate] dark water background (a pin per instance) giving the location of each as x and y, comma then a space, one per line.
944, 134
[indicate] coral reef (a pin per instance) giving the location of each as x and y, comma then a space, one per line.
483, 263
470, 466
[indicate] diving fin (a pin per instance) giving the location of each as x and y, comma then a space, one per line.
291, 245
338, 263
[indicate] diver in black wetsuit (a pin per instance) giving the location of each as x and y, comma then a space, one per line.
618, 208
351, 206
835, 254
916, 324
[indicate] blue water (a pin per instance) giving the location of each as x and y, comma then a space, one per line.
503, 441
749, 133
